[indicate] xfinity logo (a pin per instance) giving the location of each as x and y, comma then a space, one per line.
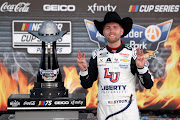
95, 7
20, 7
63, 8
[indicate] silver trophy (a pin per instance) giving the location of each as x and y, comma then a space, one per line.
49, 79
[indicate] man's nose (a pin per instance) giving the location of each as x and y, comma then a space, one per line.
111, 30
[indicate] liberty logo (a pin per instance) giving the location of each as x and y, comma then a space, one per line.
153, 33
111, 75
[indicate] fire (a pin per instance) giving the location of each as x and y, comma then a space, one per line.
71, 82
91, 97
9, 86
168, 95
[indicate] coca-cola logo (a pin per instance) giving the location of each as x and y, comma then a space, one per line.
20, 7
29, 103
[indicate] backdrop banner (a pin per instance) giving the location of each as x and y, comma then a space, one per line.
156, 30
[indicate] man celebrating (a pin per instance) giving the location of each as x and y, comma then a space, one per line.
117, 67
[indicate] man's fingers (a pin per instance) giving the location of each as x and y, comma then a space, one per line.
83, 55
139, 52
79, 54
80, 61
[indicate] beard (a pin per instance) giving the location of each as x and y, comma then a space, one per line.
112, 39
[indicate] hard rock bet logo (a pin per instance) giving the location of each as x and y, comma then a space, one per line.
147, 39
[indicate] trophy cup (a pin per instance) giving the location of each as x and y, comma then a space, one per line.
49, 80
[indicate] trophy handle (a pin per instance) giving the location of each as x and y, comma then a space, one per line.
43, 55
49, 55
55, 61
55, 64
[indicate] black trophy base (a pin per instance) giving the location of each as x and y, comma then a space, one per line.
19, 102
48, 90
48, 93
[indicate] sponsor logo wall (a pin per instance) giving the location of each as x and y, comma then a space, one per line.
155, 29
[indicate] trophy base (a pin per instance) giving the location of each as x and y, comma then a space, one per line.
48, 93
19, 102
48, 90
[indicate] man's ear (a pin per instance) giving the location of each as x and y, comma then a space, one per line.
122, 31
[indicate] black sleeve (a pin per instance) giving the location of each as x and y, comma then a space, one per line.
146, 79
87, 81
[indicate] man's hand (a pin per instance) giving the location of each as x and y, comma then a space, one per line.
140, 60
81, 61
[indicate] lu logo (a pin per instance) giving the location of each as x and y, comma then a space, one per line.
111, 75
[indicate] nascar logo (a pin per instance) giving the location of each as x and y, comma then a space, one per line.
35, 26
45, 103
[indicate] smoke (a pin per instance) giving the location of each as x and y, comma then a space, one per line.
18, 60
158, 64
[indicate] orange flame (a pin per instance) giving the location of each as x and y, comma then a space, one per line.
168, 95
71, 82
91, 97
9, 86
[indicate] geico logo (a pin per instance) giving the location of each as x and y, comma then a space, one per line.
134, 34
29, 103
133, 44
61, 102
69, 8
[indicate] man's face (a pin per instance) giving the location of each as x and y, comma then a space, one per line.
112, 32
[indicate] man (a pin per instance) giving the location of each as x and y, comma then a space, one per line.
117, 67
